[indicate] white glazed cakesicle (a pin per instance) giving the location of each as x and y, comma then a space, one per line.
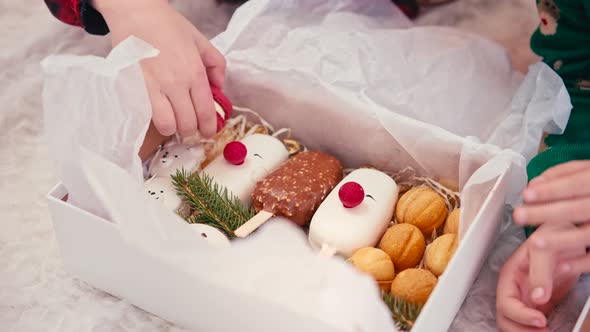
212, 235
173, 157
162, 190
355, 214
246, 162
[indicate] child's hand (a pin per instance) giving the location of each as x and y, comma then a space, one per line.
560, 195
178, 79
514, 310
518, 306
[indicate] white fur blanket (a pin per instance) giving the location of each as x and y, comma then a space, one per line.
36, 294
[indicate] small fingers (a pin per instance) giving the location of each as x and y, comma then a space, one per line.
216, 76
560, 212
162, 113
570, 186
507, 325
518, 312
566, 240
561, 170
576, 265
213, 61
203, 102
163, 116
542, 263
184, 112
508, 294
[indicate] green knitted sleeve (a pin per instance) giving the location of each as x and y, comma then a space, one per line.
563, 41
587, 7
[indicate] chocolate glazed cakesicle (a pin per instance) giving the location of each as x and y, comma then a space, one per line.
295, 190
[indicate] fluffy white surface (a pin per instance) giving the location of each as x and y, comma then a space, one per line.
36, 294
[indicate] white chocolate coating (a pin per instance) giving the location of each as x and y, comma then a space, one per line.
212, 235
265, 154
345, 230
162, 190
175, 156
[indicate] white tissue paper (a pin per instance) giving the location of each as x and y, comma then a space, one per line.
349, 77
99, 104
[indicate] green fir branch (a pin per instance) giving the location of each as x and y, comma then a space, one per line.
404, 313
214, 205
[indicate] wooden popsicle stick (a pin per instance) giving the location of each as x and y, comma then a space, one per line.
327, 251
251, 225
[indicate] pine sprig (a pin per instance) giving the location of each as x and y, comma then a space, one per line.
403, 312
214, 205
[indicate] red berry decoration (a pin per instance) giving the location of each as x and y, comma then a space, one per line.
235, 153
351, 194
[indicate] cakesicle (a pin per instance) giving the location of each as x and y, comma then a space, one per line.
162, 190
295, 190
172, 157
212, 235
245, 162
355, 214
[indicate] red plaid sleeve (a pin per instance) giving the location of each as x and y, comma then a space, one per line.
67, 11
78, 13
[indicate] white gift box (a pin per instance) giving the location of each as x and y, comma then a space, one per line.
349, 78
94, 250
